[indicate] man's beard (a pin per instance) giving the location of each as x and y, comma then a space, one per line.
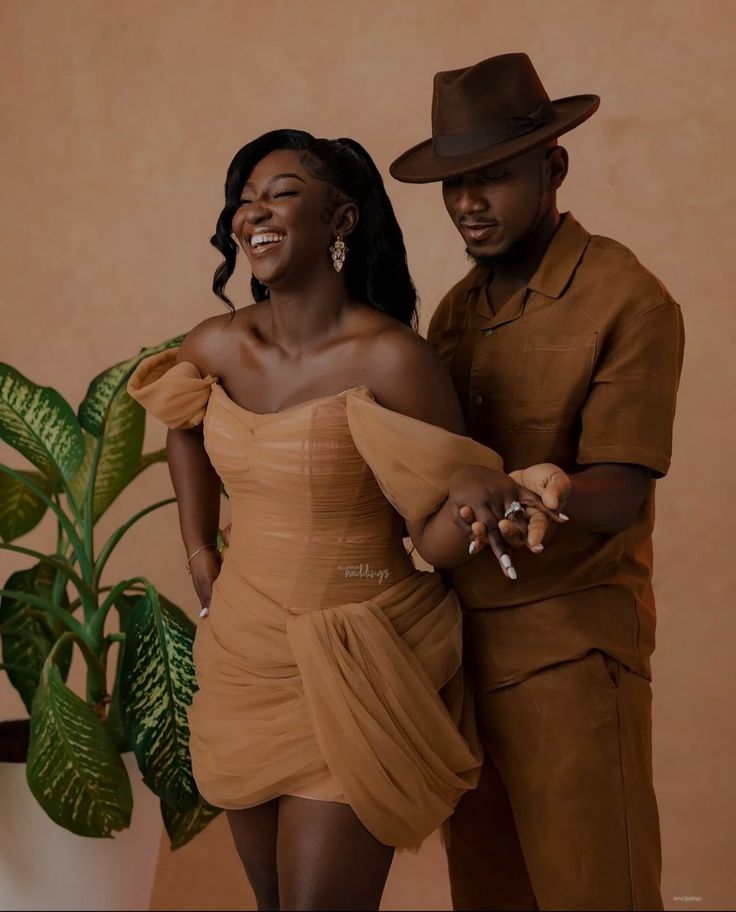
485, 262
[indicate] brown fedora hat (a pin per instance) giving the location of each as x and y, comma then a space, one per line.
487, 113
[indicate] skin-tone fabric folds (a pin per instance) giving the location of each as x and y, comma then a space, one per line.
329, 666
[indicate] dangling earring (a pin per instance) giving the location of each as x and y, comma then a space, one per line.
339, 251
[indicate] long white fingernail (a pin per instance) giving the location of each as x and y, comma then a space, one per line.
505, 561
512, 573
204, 612
473, 546
562, 516
538, 548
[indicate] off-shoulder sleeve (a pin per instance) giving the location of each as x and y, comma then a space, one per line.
411, 460
176, 393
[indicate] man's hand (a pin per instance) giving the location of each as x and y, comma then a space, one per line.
481, 496
552, 485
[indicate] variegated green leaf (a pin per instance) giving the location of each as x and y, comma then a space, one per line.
74, 770
107, 386
115, 724
156, 688
20, 508
183, 825
40, 424
109, 414
122, 442
27, 638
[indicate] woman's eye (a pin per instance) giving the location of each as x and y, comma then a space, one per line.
285, 193
243, 202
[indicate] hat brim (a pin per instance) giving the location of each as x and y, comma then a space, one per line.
420, 165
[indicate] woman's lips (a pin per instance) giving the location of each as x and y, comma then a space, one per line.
261, 248
478, 232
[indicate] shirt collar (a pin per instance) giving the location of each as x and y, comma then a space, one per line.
557, 265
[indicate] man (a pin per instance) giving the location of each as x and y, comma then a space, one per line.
564, 350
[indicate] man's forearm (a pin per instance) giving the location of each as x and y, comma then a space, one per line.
606, 498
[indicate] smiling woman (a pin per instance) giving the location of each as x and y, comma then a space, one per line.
304, 181
330, 718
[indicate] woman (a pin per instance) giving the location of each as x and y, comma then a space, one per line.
319, 723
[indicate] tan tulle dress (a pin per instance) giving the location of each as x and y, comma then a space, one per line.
329, 667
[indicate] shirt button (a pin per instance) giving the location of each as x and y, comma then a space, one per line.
488, 331
478, 400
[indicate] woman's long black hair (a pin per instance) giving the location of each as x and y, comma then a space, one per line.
376, 270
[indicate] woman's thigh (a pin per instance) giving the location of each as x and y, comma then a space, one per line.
254, 833
327, 859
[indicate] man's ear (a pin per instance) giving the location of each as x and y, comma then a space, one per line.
555, 167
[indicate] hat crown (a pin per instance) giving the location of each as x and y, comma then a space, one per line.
493, 90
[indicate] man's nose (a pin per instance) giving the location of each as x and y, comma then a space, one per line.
469, 200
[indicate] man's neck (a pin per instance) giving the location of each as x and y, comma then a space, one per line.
516, 267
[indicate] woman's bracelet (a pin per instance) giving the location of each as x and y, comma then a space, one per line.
210, 545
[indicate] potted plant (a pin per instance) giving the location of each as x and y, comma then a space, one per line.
86, 755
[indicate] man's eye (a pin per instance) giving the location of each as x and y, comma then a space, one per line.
493, 177
243, 202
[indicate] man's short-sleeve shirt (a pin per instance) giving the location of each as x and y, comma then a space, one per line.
581, 366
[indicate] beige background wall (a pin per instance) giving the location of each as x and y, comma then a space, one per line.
119, 120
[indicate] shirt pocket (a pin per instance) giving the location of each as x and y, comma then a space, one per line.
552, 381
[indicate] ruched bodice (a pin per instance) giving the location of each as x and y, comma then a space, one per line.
301, 489
329, 666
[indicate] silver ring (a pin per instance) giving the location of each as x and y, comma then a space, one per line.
512, 508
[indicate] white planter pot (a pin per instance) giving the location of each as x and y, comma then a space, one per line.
44, 866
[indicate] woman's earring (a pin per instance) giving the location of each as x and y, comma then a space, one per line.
339, 251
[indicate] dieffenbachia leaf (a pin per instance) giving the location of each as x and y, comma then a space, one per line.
27, 634
183, 825
40, 424
157, 686
21, 509
110, 418
74, 770
94, 411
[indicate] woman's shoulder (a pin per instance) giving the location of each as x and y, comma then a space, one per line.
407, 376
208, 344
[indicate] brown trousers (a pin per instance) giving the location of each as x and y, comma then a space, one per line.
565, 815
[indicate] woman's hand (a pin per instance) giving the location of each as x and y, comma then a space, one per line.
554, 486
205, 568
487, 494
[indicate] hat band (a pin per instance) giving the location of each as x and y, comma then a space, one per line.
492, 133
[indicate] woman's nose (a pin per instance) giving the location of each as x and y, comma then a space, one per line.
256, 212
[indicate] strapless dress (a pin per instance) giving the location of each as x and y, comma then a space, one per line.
329, 666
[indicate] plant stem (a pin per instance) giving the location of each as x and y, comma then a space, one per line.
113, 540
74, 539
96, 677
89, 503
71, 622
60, 565
97, 624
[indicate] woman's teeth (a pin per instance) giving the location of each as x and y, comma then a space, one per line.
259, 239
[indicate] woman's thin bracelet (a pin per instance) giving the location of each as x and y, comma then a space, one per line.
210, 545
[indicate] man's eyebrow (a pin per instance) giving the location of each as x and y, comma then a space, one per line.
278, 177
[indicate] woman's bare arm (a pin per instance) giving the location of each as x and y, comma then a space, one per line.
196, 483
413, 381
